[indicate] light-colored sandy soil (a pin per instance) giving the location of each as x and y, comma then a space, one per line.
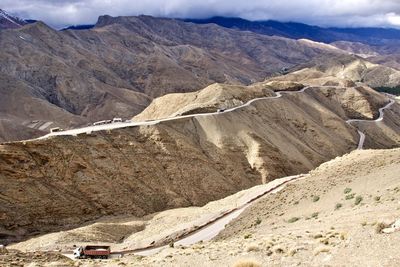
313, 222
343, 70
210, 99
330, 218
128, 232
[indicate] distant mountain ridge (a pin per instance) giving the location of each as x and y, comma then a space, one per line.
79, 27
74, 77
294, 30
8, 21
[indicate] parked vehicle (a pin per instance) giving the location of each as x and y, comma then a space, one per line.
92, 252
55, 129
102, 122
117, 120
220, 110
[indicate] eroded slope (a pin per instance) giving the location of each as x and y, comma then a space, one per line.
62, 182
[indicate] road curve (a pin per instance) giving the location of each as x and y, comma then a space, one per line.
379, 119
119, 125
213, 227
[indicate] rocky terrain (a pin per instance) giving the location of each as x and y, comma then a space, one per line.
333, 217
62, 182
136, 186
116, 68
378, 45
336, 215
369, 36
8, 21
343, 70
209, 99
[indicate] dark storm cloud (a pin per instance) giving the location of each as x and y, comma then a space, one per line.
59, 13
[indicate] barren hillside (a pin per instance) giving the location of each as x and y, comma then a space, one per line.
335, 215
209, 99
327, 70
116, 68
65, 181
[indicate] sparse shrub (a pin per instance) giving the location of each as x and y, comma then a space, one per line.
293, 219
258, 221
358, 200
347, 190
364, 223
315, 215
317, 236
247, 236
247, 263
315, 198
350, 196
343, 236
380, 226
171, 245
325, 241
252, 247
338, 206
377, 198
296, 202
279, 250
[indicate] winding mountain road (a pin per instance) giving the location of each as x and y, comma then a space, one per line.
380, 118
279, 94
211, 228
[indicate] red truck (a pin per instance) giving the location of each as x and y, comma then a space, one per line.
92, 252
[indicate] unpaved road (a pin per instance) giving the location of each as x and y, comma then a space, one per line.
212, 228
279, 94
380, 118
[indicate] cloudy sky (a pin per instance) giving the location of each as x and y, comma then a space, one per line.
59, 13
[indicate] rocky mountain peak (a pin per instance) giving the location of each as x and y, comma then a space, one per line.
8, 21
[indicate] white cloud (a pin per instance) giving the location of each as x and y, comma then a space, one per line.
321, 12
393, 19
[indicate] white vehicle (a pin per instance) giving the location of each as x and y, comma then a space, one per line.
55, 129
102, 122
117, 120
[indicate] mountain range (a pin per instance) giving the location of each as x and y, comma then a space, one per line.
217, 113
116, 68
8, 21
294, 30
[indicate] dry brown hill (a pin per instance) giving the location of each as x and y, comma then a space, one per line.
385, 54
116, 68
209, 99
64, 181
340, 69
335, 216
